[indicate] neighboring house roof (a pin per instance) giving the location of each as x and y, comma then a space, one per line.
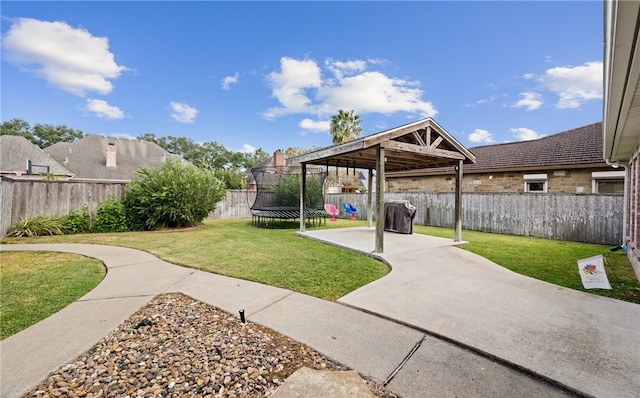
89, 157
15, 151
573, 148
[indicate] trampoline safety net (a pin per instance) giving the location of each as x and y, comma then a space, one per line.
277, 194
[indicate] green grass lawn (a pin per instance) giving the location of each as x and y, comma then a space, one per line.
277, 257
236, 248
35, 285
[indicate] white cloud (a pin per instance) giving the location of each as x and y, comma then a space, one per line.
530, 101
381, 125
68, 58
371, 92
574, 85
316, 126
378, 61
491, 98
290, 84
525, 134
183, 113
103, 110
229, 80
246, 148
340, 68
481, 136
300, 88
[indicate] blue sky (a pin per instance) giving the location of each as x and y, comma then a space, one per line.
270, 74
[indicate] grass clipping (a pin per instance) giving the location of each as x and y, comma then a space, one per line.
176, 346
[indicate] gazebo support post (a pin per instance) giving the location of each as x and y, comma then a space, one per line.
380, 200
458, 203
303, 196
370, 199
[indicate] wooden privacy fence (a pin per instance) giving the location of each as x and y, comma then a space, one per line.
593, 218
581, 218
28, 197
236, 204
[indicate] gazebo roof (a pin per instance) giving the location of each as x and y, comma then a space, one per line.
417, 145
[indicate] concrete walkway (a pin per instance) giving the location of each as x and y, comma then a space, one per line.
588, 344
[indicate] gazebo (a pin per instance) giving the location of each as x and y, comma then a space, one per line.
418, 145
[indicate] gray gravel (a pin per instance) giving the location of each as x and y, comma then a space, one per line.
176, 346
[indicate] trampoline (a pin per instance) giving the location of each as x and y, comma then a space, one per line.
277, 195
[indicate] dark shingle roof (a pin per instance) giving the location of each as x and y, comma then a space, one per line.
579, 146
87, 157
16, 150
582, 145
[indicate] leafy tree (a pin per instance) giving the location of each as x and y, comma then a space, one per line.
150, 137
46, 135
345, 126
182, 146
171, 196
16, 127
211, 156
43, 135
232, 178
255, 158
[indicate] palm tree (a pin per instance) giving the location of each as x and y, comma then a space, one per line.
345, 126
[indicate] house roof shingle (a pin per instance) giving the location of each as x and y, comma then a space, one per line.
16, 150
579, 146
87, 157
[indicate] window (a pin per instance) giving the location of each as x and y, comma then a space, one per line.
610, 186
608, 181
535, 183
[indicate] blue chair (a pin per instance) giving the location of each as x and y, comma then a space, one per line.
350, 209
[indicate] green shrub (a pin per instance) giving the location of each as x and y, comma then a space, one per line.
78, 220
38, 226
288, 192
110, 217
134, 216
172, 196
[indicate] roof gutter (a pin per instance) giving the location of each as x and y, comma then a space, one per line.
621, 46
615, 165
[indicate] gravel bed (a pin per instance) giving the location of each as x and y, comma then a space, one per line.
176, 346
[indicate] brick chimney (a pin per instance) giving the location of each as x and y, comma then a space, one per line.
278, 161
111, 156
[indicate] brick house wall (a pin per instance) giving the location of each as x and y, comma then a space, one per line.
558, 181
